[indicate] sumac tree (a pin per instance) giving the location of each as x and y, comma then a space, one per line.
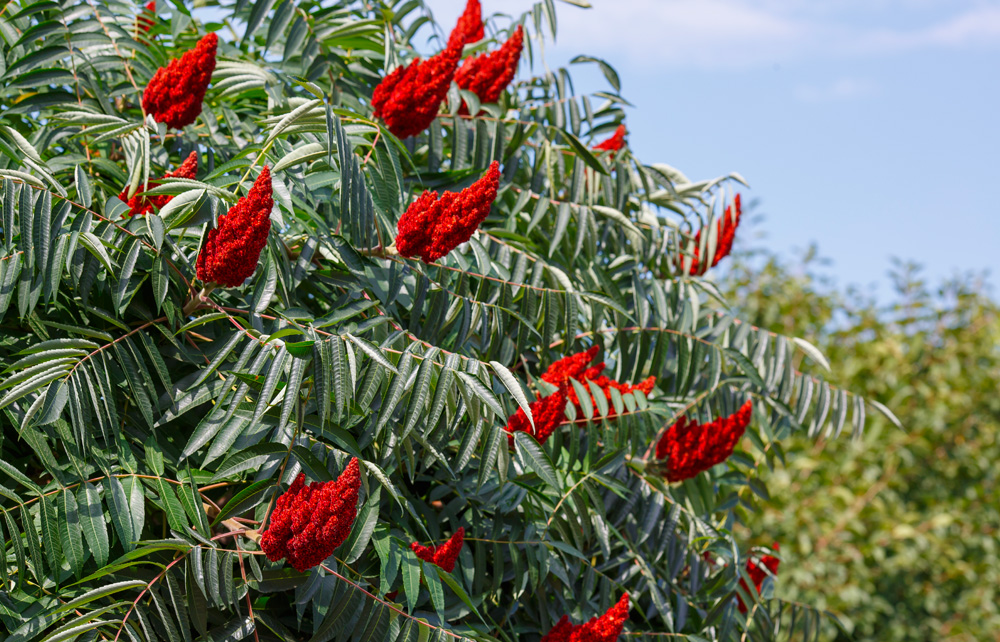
236, 406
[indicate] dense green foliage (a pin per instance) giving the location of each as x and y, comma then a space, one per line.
897, 532
148, 429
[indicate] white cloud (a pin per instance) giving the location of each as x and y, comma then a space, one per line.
711, 34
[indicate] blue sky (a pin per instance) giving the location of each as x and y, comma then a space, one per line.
867, 126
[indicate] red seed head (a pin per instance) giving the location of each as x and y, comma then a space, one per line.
488, 74
758, 571
604, 628
432, 227
408, 99
310, 521
175, 93
615, 143
548, 413
230, 252
141, 205
469, 28
146, 22
575, 365
724, 245
443, 555
691, 448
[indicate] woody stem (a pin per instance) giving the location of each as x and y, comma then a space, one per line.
198, 299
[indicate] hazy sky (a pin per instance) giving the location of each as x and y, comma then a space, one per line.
868, 126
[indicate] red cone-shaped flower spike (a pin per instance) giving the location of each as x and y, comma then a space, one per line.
310, 521
724, 245
691, 448
141, 205
431, 227
145, 22
443, 555
469, 28
487, 75
175, 93
408, 99
605, 628
758, 571
229, 255
615, 143
548, 413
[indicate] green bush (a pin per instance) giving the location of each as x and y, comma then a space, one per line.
898, 532
152, 421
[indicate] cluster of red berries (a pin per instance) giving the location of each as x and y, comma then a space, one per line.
409, 98
724, 245
758, 571
141, 205
548, 412
443, 555
488, 74
431, 227
175, 93
690, 448
604, 628
614, 143
230, 251
310, 521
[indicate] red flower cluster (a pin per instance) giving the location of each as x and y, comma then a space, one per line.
488, 74
727, 233
605, 628
408, 99
469, 28
431, 227
578, 367
141, 205
613, 144
310, 522
548, 413
230, 252
175, 93
146, 23
691, 448
443, 555
768, 565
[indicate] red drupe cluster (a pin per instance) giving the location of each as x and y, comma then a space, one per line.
145, 22
548, 412
408, 99
605, 628
443, 555
310, 521
488, 74
691, 448
614, 143
175, 93
142, 205
578, 367
469, 28
230, 252
727, 233
431, 227
758, 571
